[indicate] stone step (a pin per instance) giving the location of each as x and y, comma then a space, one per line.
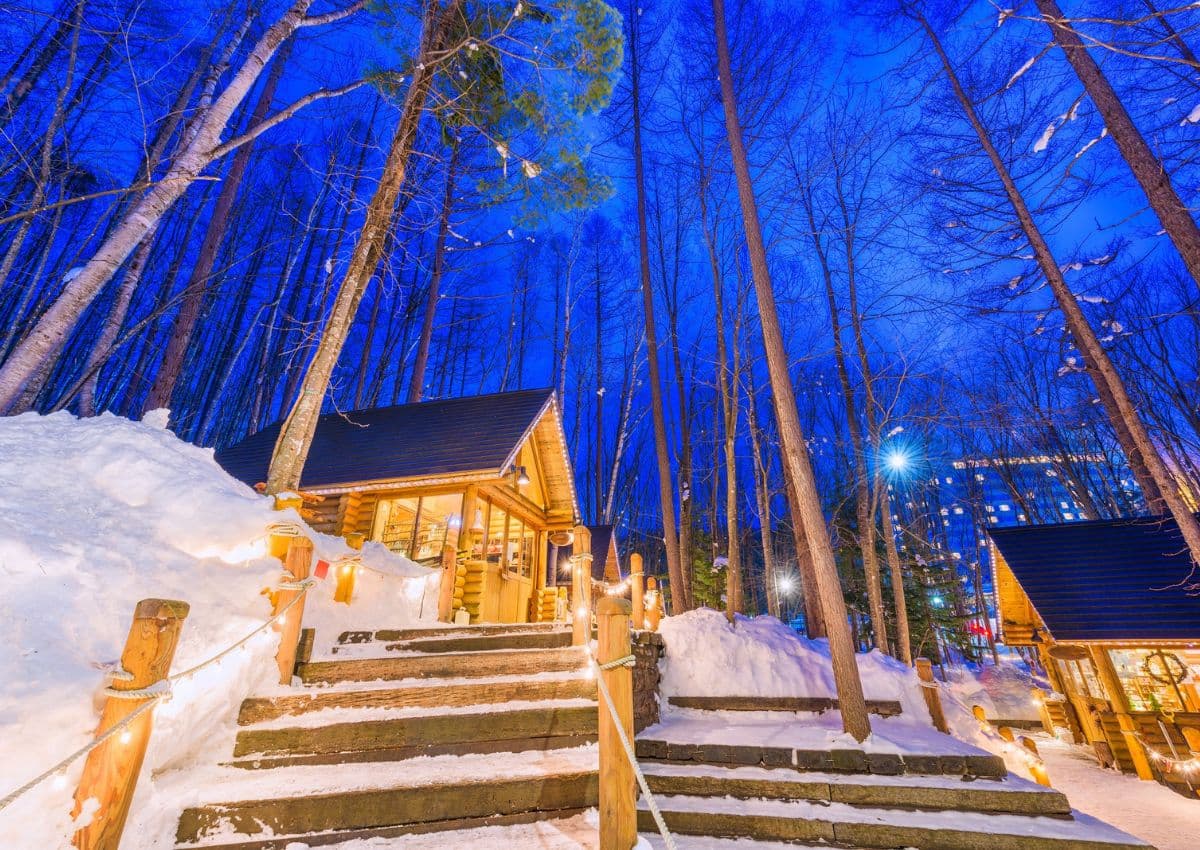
1012, 795
509, 662
484, 643
849, 761
816, 705
549, 727
260, 709
392, 635
880, 829
316, 819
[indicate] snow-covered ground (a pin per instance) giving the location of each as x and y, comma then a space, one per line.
1148, 810
96, 514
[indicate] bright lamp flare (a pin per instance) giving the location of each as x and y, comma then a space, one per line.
896, 460
787, 584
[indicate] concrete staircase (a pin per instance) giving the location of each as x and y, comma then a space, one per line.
934, 800
504, 719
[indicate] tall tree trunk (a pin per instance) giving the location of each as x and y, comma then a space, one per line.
791, 436
296, 433
52, 329
762, 497
416, 381
864, 506
1149, 171
680, 592
197, 287
1123, 414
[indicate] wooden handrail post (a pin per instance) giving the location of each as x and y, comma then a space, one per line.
446, 588
581, 591
637, 584
1038, 767
347, 570
932, 694
618, 815
654, 609
111, 770
1039, 699
296, 567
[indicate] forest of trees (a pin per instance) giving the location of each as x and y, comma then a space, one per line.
753, 252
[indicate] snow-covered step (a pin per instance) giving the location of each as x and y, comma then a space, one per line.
542, 639
878, 828
425, 695
356, 735
1012, 795
324, 805
443, 665
951, 762
805, 705
350, 638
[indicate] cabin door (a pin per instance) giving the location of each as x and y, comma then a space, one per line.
1086, 695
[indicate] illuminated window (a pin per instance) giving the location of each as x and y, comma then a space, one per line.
1005, 508
419, 528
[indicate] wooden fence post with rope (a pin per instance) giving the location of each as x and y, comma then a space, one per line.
933, 697
637, 592
581, 589
111, 770
296, 566
618, 813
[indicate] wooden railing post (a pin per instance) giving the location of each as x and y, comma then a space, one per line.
618, 815
581, 590
296, 566
1037, 767
347, 570
446, 588
637, 592
932, 694
111, 770
654, 605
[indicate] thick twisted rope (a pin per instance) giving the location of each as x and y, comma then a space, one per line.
627, 745
152, 693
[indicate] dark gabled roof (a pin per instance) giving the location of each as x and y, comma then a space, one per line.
603, 543
432, 438
1105, 580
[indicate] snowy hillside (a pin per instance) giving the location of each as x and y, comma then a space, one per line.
96, 514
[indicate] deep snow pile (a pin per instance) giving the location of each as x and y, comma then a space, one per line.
96, 514
761, 656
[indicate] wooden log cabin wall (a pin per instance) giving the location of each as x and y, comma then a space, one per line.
479, 484
1104, 606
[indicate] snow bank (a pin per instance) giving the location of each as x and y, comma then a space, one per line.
96, 514
761, 656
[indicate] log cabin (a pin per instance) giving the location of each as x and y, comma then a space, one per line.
476, 485
1110, 607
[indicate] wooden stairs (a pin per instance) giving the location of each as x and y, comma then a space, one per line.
944, 798
503, 718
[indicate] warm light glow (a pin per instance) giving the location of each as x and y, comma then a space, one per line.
522, 477
126, 737
60, 780
786, 584
581, 612
282, 619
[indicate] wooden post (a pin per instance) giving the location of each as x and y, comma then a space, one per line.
654, 609
296, 567
1107, 674
637, 591
111, 770
581, 572
347, 569
1038, 767
932, 694
618, 816
446, 588
1039, 699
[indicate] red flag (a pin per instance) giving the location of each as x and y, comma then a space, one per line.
322, 569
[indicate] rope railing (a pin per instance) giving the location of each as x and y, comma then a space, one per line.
627, 745
162, 689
